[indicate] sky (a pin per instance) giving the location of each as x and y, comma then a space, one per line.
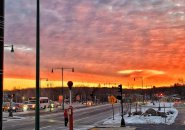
108, 42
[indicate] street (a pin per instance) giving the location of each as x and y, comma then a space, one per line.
83, 117
86, 118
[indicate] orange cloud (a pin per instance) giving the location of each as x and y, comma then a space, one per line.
98, 39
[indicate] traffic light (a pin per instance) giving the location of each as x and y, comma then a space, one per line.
11, 95
120, 88
92, 94
119, 97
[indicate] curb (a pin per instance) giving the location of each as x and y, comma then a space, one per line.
113, 128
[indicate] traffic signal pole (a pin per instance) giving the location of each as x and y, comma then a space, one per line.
122, 119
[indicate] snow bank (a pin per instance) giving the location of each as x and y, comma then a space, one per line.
140, 119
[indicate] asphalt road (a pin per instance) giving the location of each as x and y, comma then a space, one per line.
84, 117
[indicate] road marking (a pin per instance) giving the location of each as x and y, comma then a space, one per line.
45, 127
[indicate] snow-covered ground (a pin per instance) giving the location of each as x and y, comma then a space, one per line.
7, 118
140, 119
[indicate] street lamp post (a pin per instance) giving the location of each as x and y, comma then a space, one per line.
142, 87
1, 79
12, 48
62, 68
2, 8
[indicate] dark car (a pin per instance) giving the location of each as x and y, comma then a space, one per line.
16, 107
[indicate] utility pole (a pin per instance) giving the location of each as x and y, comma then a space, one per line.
37, 110
1, 59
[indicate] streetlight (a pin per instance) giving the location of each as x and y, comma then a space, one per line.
12, 48
62, 68
142, 87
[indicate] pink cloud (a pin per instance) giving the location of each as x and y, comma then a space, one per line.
98, 37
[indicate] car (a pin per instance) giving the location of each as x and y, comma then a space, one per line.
53, 104
88, 103
6, 106
31, 105
56, 104
18, 107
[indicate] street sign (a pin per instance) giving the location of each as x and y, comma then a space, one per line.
112, 99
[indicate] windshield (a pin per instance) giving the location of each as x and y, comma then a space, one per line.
32, 102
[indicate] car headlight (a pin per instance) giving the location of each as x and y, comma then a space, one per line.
33, 106
52, 105
25, 107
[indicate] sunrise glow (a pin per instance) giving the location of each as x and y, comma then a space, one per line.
107, 42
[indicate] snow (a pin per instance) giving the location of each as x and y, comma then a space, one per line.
137, 119
140, 119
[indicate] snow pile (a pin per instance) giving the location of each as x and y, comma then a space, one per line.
141, 119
